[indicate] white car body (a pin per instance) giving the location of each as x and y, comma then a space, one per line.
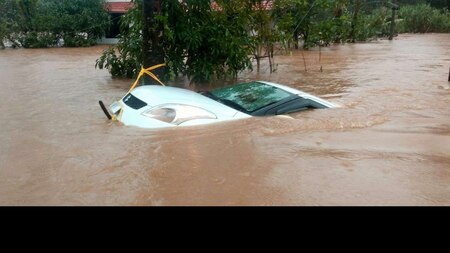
191, 108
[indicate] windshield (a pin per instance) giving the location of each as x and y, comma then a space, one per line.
133, 102
249, 97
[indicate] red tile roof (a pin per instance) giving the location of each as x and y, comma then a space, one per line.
215, 6
118, 7
264, 5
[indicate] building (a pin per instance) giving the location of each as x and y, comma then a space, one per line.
116, 9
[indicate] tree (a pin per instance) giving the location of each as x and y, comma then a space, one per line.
7, 16
77, 22
205, 43
263, 32
197, 41
293, 17
39, 23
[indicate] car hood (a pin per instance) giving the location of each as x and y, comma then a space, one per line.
155, 95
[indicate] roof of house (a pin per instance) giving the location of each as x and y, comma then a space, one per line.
265, 5
118, 7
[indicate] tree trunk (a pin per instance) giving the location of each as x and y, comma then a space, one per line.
306, 26
356, 6
258, 58
152, 35
394, 8
295, 38
305, 37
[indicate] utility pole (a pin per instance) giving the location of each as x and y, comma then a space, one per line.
152, 34
394, 9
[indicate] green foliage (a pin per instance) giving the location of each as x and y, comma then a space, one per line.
205, 44
423, 18
78, 22
439, 4
192, 45
4, 20
8, 13
42, 23
293, 18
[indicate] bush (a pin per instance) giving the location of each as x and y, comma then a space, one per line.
42, 23
423, 18
37, 40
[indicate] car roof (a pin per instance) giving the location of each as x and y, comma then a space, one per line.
301, 94
283, 87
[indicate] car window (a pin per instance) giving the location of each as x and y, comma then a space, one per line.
251, 96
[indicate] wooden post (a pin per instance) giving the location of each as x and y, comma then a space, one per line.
152, 34
320, 57
304, 60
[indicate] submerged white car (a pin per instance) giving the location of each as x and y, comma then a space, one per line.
155, 106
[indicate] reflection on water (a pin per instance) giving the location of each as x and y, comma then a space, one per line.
389, 144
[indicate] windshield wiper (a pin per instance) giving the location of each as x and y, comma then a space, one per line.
232, 104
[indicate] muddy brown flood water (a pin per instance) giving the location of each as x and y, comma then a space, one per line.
389, 144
